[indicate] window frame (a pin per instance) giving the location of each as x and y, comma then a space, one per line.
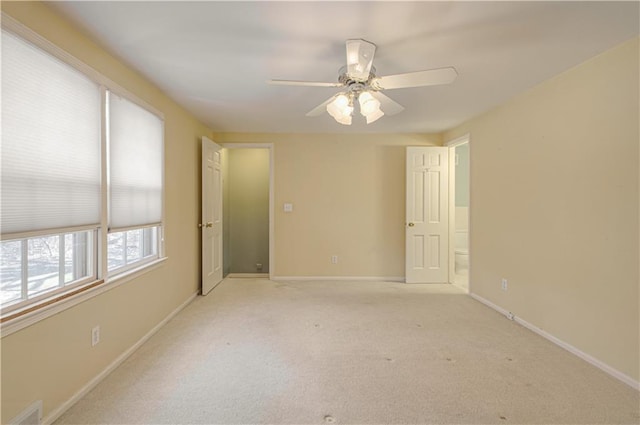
144, 259
13, 318
62, 287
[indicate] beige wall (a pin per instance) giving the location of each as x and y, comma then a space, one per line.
554, 206
348, 200
53, 359
248, 216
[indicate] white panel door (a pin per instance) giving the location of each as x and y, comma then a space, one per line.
427, 224
211, 225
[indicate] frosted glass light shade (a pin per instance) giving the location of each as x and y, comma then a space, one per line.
368, 104
340, 109
375, 115
344, 119
369, 107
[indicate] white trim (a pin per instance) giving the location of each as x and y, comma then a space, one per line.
36, 406
272, 217
102, 235
343, 278
560, 343
452, 214
28, 303
48, 232
128, 274
29, 319
134, 227
452, 144
459, 141
57, 412
490, 304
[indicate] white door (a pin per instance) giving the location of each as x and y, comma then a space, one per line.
211, 225
427, 227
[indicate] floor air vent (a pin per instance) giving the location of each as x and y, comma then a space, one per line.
32, 415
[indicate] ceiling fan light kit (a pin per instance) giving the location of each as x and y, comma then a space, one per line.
341, 109
361, 83
369, 107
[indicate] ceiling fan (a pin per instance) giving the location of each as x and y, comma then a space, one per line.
363, 87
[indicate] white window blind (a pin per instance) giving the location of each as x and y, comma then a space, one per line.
50, 166
135, 165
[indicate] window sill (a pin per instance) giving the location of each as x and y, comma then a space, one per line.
30, 318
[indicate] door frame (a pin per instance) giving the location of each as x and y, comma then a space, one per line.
452, 144
270, 148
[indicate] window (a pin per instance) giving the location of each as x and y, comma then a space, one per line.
45, 265
135, 183
59, 118
132, 247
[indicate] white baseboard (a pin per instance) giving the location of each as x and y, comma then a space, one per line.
343, 278
489, 304
56, 413
570, 348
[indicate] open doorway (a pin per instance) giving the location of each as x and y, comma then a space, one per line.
247, 199
459, 209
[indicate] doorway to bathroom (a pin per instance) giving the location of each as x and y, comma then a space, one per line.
247, 210
459, 211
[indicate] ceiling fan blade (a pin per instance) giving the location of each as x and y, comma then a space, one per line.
430, 77
388, 105
321, 108
303, 83
359, 59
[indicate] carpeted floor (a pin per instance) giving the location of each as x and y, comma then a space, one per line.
255, 352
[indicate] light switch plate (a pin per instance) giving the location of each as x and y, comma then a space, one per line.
288, 207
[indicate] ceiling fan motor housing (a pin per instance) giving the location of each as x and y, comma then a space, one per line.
355, 85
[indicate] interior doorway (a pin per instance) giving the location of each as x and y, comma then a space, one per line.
247, 210
459, 211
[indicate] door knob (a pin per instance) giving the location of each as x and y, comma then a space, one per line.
410, 224
209, 224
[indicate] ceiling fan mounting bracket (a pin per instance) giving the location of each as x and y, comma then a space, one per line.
356, 86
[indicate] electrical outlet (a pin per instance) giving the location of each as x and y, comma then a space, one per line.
505, 284
334, 259
95, 336
259, 266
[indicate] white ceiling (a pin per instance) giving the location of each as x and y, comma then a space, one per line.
214, 58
